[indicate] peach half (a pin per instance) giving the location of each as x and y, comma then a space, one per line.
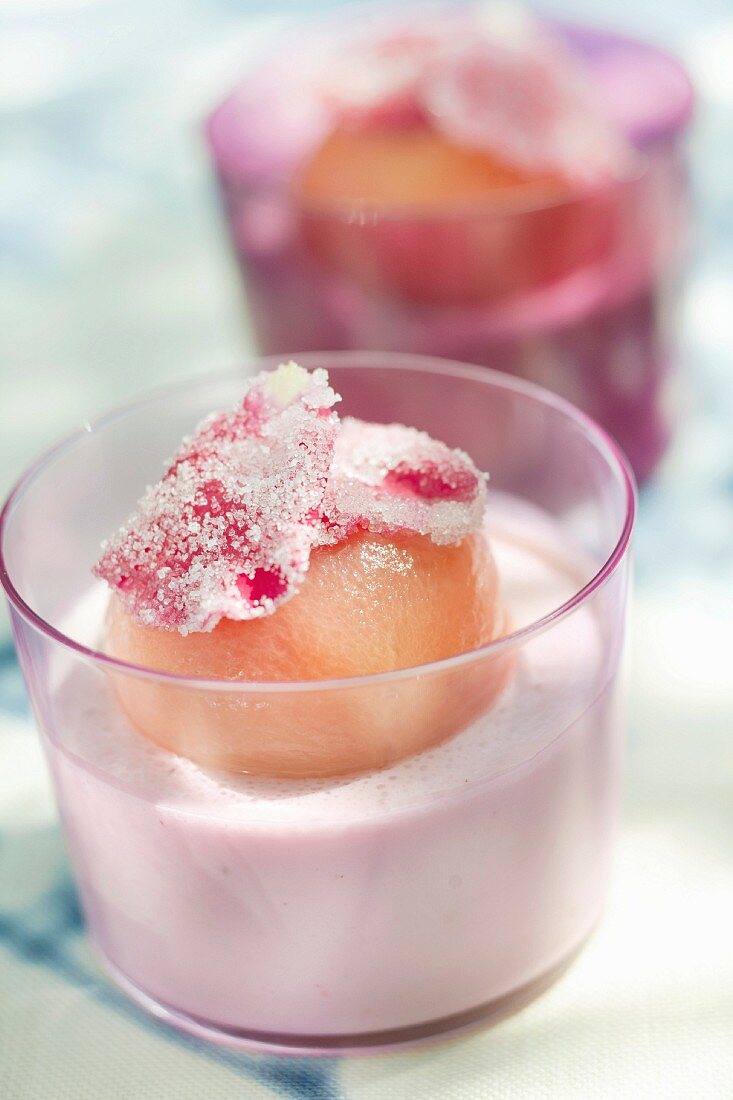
406, 212
368, 605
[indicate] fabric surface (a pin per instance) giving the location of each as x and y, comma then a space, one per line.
647, 1010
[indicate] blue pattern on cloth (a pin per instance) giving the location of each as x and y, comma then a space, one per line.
48, 933
13, 698
44, 935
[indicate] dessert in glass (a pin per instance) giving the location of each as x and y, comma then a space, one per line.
331, 705
472, 183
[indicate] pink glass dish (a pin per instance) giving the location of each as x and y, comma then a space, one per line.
576, 295
363, 913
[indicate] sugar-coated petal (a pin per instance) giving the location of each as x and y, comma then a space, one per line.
387, 479
491, 78
228, 530
516, 93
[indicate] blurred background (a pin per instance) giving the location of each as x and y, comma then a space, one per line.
116, 275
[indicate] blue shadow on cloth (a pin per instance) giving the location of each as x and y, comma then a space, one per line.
45, 933
13, 698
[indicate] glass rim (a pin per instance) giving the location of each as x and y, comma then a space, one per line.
596, 436
524, 200
515, 202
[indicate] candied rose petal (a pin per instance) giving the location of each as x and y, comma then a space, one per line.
492, 78
387, 478
228, 530
527, 101
376, 81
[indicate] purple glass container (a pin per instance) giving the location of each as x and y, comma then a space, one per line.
576, 294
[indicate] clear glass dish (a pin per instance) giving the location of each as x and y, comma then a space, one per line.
359, 912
